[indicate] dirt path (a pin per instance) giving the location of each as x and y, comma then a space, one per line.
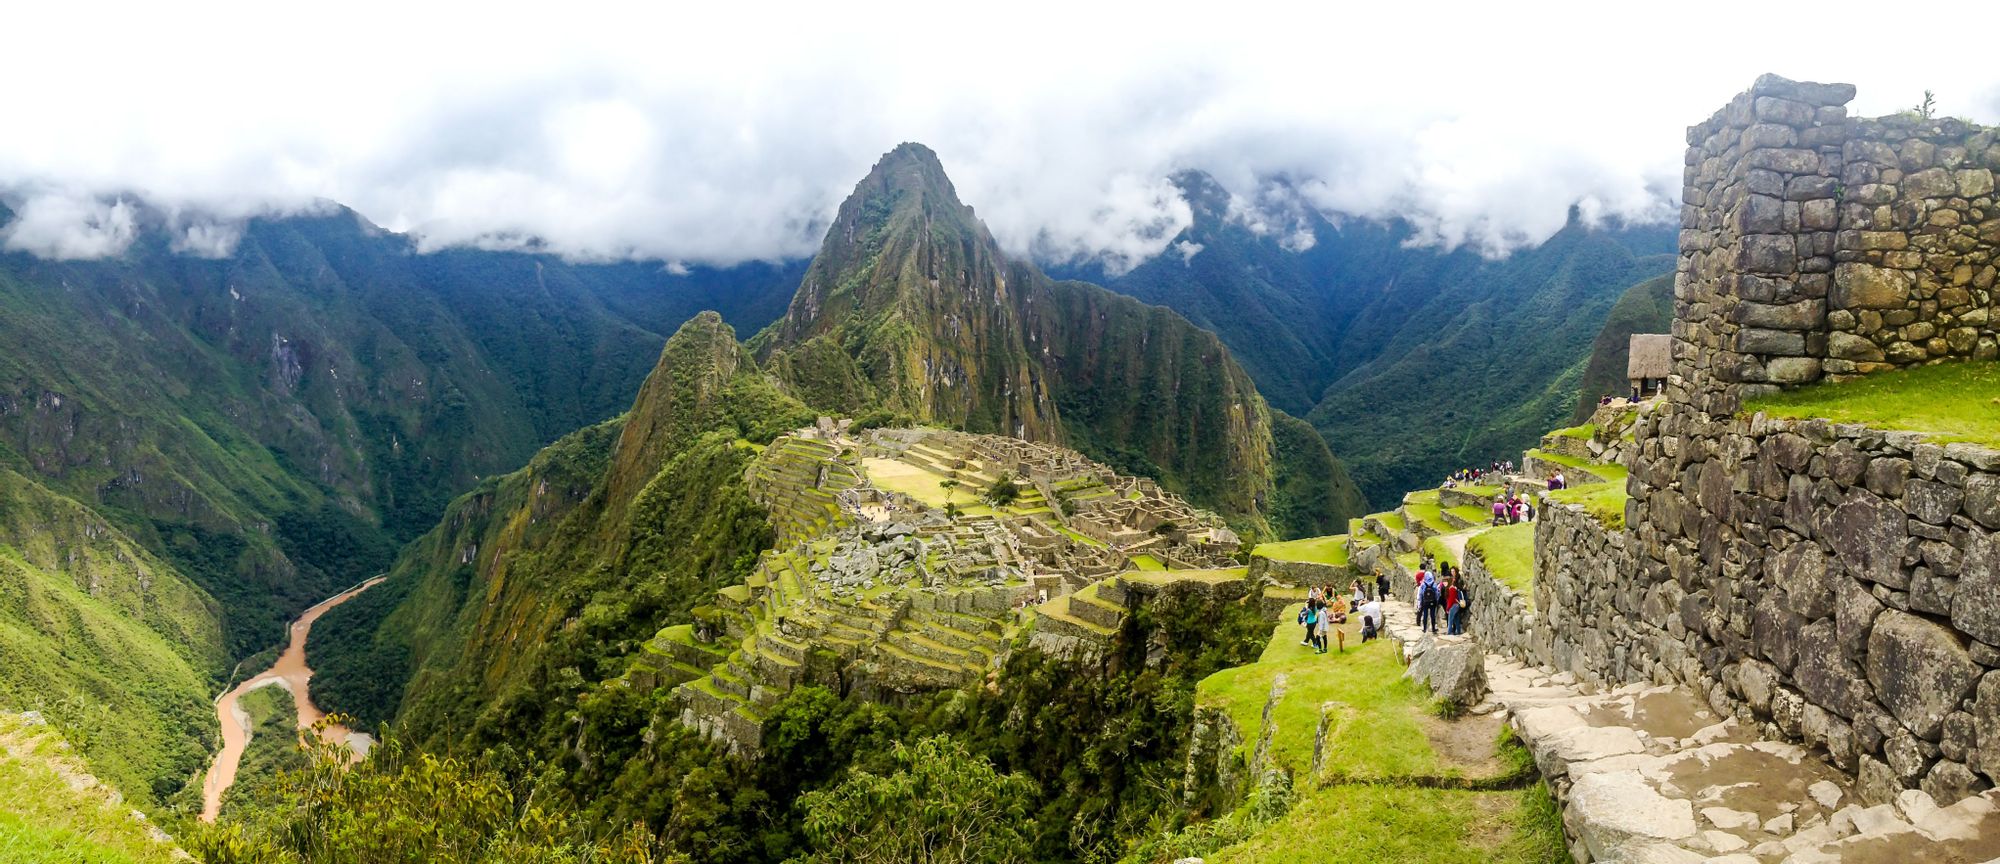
291, 673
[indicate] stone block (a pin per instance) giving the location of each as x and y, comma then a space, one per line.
1847, 346
1768, 253
1920, 671
1758, 214
1803, 315
1867, 535
1753, 340
1930, 183
1931, 501
1865, 286
1976, 607
1974, 182
1982, 499
1792, 370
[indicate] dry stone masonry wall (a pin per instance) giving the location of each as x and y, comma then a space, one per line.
1816, 244
1833, 585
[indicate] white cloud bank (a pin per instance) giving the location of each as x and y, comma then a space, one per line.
715, 136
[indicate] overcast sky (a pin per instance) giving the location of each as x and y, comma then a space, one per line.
715, 136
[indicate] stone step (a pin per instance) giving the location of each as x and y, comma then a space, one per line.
729, 683
1054, 616
986, 642
924, 646
1085, 605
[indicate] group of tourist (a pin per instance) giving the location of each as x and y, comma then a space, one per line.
1441, 592
1512, 508
1325, 611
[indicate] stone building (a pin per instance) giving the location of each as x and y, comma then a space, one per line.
1829, 583
1649, 361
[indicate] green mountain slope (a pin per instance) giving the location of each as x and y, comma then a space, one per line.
507, 606
910, 307
1646, 307
106, 641
1397, 353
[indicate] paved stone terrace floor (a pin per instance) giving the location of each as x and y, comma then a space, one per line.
1649, 775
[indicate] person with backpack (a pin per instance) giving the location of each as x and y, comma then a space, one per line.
1427, 606
1381, 586
1499, 511
1307, 619
1451, 608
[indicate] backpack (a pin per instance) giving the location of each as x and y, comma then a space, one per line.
1303, 613
1428, 594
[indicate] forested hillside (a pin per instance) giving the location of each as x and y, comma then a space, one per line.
195, 449
1393, 350
911, 308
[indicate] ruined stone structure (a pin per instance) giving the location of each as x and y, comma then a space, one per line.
1833, 585
1816, 244
876, 587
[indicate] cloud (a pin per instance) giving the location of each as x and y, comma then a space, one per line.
721, 135
71, 226
1188, 250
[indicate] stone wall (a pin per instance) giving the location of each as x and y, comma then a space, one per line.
1830, 584
1815, 244
1835, 584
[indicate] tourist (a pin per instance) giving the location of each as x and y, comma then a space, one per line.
1556, 481
1499, 511
1427, 605
1308, 616
1371, 620
1381, 586
1360, 595
1325, 624
1451, 608
1464, 605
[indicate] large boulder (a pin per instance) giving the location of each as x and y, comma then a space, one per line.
1920, 670
1455, 671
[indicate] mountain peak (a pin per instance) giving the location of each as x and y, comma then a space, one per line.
912, 167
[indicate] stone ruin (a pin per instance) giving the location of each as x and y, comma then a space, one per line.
877, 589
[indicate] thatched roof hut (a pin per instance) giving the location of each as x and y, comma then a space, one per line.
1651, 357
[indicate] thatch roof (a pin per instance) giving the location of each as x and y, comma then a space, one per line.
1652, 356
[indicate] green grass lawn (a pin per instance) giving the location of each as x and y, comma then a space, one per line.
1473, 513
1487, 492
44, 821
1381, 737
1378, 824
1314, 550
1585, 431
1426, 496
1509, 552
1430, 516
1948, 402
1371, 813
1609, 471
1606, 501
1147, 562
1391, 521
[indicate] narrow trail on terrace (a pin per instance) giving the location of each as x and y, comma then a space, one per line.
290, 672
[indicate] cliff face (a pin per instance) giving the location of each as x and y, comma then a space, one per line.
912, 308
557, 565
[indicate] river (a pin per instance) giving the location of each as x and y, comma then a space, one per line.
290, 672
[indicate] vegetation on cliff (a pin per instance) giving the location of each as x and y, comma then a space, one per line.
911, 308
1646, 307
1411, 361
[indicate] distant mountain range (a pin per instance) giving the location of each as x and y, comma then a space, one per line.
1409, 360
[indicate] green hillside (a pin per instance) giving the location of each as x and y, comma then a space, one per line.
912, 309
106, 641
53, 810
1410, 360
1646, 307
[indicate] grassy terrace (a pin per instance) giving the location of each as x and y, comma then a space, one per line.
1473, 513
1147, 562
1383, 750
1509, 552
1606, 501
1609, 471
1948, 402
1585, 431
1391, 521
1429, 515
1312, 550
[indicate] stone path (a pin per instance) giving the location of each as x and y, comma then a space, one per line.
1649, 775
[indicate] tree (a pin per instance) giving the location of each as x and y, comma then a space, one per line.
941, 805
1927, 108
1004, 491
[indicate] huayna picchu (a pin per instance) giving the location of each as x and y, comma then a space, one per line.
911, 309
